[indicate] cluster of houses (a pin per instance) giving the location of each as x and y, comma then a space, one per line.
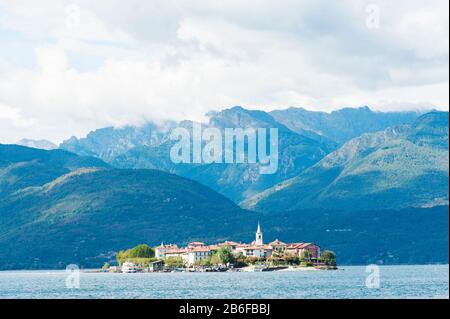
195, 252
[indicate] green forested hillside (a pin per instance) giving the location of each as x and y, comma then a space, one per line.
90, 213
405, 166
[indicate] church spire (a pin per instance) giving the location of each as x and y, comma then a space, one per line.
259, 236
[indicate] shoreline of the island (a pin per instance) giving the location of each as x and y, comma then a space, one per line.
247, 269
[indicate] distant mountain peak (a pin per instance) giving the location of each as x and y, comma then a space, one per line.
40, 144
238, 116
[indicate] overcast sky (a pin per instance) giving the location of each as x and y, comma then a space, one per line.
67, 67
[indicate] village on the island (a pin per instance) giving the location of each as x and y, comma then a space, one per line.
226, 256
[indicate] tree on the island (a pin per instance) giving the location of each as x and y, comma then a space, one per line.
224, 255
206, 262
141, 251
274, 260
215, 259
329, 257
106, 266
306, 255
174, 262
240, 260
121, 257
292, 259
253, 260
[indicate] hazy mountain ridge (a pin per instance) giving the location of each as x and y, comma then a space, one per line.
109, 142
236, 181
399, 167
344, 124
41, 144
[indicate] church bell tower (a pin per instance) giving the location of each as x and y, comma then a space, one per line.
259, 236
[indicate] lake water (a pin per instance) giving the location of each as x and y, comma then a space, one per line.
347, 282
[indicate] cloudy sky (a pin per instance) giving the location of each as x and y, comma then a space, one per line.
67, 67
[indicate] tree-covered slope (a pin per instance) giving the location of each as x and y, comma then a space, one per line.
87, 213
22, 166
362, 237
85, 216
405, 166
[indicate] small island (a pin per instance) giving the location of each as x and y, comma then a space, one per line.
225, 256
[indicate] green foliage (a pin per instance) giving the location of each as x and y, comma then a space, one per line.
106, 266
174, 262
206, 262
141, 254
141, 251
306, 264
254, 260
121, 256
293, 260
142, 261
224, 256
306, 256
328, 257
241, 260
215, 260
277, 261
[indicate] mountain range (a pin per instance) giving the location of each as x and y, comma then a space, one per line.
369, 185
402, 166
131, 148
342, 125
87, 211
303, 142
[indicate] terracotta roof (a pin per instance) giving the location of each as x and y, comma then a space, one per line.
200, 249
176, 251
253, 247
230, 243
173, 246
277, 242
299, 245
196, 243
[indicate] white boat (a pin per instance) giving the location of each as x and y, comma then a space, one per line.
254, 269
129, 268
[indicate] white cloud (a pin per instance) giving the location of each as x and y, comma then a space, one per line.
14, 116
115, 62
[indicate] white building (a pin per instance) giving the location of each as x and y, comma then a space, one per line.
259, 251
196, 255
160, 251
256, 248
